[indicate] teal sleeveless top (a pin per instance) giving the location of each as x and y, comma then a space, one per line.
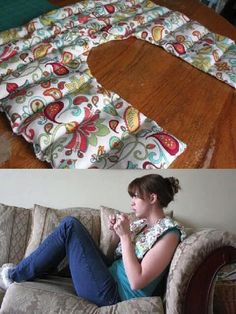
117, 271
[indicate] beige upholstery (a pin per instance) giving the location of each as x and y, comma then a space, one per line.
188, 256
15, 227
56, 295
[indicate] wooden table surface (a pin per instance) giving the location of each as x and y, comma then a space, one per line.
192, 105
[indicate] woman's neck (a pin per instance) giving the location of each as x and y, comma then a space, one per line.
154, 217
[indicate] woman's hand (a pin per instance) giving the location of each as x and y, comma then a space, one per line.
112, 221
114, 238
122, 225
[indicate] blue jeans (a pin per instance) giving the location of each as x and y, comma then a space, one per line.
88, 266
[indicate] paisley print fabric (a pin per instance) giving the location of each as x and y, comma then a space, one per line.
144, 240
53, 101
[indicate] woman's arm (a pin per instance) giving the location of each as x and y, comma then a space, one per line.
153, 263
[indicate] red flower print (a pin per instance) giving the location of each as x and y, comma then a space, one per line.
82, 131
58, 68
7, 54
110, 8
11, 87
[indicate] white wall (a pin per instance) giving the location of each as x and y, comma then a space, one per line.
207, 199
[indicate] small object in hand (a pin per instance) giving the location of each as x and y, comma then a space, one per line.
118, 217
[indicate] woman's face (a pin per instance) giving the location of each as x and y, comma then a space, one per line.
140, 206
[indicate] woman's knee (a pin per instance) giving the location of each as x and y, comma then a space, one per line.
70, 221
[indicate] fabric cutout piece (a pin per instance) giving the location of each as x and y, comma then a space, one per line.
53, 101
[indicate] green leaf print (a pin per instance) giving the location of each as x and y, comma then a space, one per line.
103, 130
92, 140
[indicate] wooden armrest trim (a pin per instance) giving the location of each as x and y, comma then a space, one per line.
199, 286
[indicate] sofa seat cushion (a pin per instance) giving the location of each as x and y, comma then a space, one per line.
140, 305
51, 295
57, 295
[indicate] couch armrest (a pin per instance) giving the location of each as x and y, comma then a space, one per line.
201, 285
191, 255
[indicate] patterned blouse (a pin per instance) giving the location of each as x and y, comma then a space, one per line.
144, 240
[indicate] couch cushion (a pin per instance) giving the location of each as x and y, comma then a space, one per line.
107, 243
15, 227
44, 296
140, 305
46, 219
57, 295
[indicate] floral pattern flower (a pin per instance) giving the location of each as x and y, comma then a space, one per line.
81, 131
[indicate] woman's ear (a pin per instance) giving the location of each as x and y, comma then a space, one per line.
153, 198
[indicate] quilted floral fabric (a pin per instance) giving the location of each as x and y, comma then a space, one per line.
144, 240
53, 101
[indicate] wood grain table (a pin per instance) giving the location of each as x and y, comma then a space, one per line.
192, 105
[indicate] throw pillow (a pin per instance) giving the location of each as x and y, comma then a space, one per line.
107, 241
46, 219
15, 227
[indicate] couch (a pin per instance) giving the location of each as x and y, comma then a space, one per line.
189, 285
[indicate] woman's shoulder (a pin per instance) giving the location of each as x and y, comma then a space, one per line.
167, 224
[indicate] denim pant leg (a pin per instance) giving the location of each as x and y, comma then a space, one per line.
45, 258
90, 274
91, 277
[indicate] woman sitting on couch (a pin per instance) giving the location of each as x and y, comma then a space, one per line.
144, 252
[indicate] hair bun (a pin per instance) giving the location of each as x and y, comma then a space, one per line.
174, 182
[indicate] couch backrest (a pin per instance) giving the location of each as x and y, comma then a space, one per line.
22, 229
45, 219
15, 229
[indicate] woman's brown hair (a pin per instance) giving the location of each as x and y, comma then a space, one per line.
164, 188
